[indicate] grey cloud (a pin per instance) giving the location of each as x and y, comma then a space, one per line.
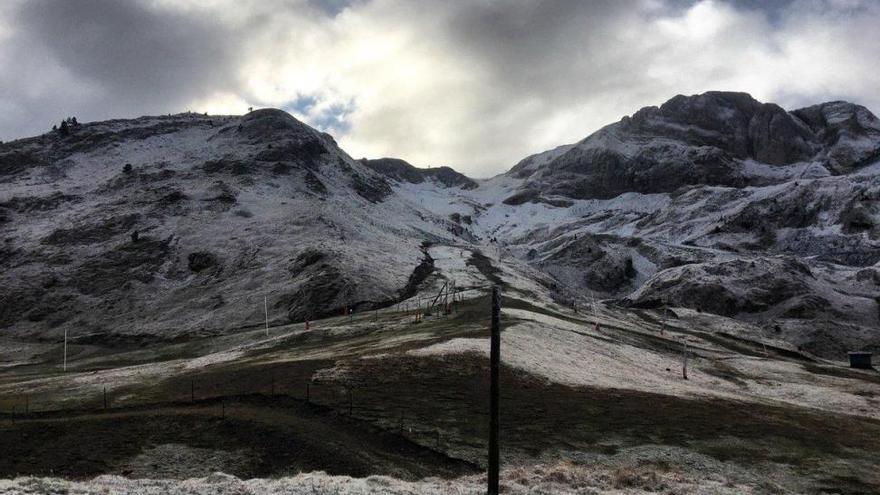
511, 77
120, 58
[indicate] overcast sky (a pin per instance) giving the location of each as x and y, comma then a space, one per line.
476, 85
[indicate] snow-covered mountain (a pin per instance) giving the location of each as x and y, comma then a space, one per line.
715, 202
227, 210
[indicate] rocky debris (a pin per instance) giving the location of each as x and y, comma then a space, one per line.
727, 288
306, 259
93, 233
601, 264
117, 268
31, 204
230, 166
13, 163
314, 184
225, 194
373, 189
781, 292
322, 292
869, 275
535, 196
137, 178
171, 199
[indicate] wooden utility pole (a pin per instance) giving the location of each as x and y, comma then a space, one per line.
665, 310
65, 349
684, 364
494, 391
266, 310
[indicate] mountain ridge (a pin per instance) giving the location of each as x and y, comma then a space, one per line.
172, 226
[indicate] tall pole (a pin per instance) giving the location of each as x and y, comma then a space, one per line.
494, 391
65, 349
266, 310
684, 364
665, 310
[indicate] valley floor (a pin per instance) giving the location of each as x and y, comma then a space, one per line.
593, 401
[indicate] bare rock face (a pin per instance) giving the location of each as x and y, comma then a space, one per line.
401, 171
735, 123
849, 133
727, 288
704, 139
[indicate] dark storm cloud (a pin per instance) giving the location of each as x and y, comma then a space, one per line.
549, 46
137, 56
113, 58
333, 7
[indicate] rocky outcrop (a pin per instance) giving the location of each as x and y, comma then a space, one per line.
706, 139
401, 171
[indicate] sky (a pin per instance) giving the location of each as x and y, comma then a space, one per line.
473, 84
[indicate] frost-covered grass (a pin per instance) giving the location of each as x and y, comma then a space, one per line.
560, 478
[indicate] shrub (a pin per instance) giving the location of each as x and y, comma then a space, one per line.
199, 261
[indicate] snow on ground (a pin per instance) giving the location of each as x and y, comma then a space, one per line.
623, 477
451, 261
579, 355
570, 358
80, 385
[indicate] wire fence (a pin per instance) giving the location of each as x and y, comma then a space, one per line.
197, 387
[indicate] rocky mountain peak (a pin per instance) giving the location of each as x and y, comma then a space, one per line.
715, 138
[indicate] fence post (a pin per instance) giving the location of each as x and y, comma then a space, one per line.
494, 391
684, 364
